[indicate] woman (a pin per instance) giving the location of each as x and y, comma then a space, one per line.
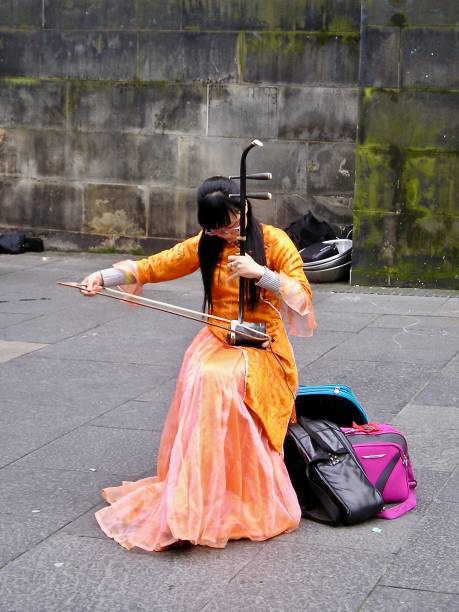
220, 472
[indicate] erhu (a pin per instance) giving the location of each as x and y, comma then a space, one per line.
240, 332
245, 333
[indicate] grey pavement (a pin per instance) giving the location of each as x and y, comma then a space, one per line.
84, 389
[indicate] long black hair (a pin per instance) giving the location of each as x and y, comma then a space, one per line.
214, 211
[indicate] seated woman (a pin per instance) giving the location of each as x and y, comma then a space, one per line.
220, 472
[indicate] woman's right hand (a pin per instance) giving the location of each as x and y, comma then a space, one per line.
94, 283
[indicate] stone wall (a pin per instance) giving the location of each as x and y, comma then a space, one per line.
111, 113
406, 212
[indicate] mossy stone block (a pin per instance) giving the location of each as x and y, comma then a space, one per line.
318, 113
379, 57
407, 183
411, 12
301, 58
429, 57
112, 14
86, 55
188, 56
253, 15
403, 250
26, 14
150, 107
29, 103
114, 210
39, 204
410, 119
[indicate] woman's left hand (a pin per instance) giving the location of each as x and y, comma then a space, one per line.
244, 265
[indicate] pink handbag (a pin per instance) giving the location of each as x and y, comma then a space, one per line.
383, 453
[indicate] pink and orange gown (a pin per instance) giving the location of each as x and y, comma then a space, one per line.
220, 471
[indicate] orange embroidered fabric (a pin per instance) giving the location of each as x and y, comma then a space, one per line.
220, 470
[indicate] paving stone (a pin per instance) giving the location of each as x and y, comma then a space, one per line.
162, 393
439, 326
56, 326
441, 391
103, 576
388, 598
135, 415
382, 388
452, 367
307, 350
10, 349
83, 385
396, 346
450, 308
114, 451
63, 494
383, 304
277, 580
18, 534
9, 319
430, 560
431, 432
450, 490
346, 321
86, 524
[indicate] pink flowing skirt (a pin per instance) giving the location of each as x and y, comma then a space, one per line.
218, 478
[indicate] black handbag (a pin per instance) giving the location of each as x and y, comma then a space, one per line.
329, 481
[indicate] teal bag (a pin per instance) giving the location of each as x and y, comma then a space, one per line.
336, 403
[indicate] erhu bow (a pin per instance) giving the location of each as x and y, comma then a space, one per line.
258, 335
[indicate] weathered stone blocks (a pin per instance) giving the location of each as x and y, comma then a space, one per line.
32, 103
204, 157
239, 111
318, 113
411, 12
333, 15
87, 55
114, 210
32, 153
117, 157
410, 119
146, 107
188, 56
172, 213
379, 65
301, 58
429, 58
38, 204
331, 168
402, 250
22, 15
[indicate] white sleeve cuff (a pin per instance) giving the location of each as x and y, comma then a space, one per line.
112, 277
270, 280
